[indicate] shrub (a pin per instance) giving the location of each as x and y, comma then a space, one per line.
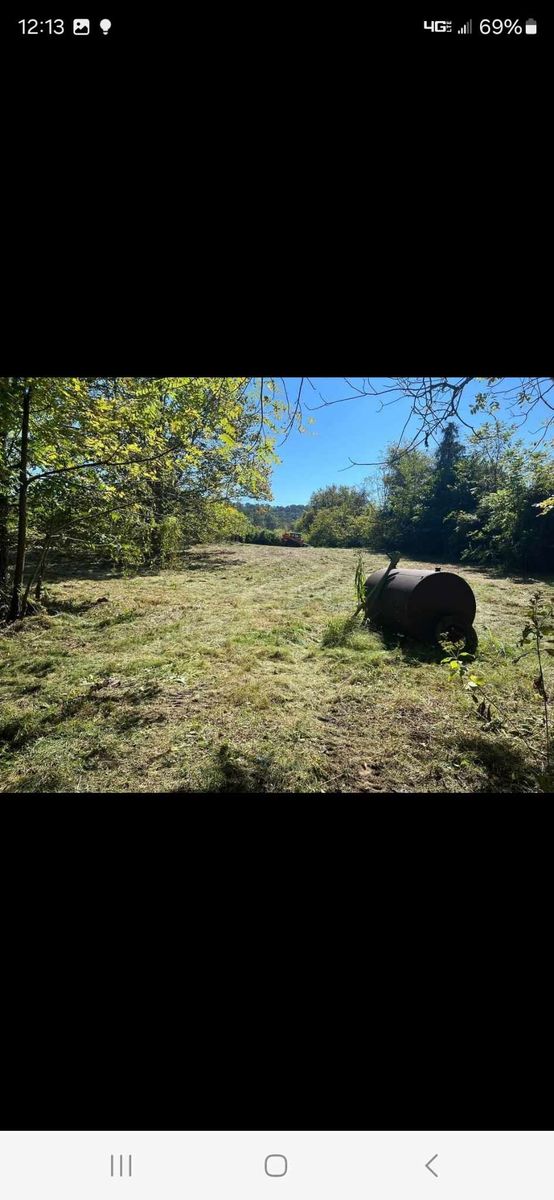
262, 537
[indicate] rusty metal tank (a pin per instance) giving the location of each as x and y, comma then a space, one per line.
425, 604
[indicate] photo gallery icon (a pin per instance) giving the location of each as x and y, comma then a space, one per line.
81, 25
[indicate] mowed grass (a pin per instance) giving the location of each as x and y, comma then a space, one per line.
241, 673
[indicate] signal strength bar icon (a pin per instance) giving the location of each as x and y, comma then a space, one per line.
466, 28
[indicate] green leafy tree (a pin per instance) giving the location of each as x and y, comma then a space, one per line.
337, 516
226, 523
138, 442
444, 495
505, 529
262, 537
407, 484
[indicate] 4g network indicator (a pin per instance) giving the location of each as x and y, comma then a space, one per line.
495, 26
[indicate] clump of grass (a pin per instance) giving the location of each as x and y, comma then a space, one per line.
17, 727
121, 618
290, 632
275, 655
250, 695
340, 632
497, 650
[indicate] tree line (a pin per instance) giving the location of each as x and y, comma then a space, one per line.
275, 516
482, 501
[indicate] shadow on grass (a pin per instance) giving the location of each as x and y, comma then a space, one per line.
97, 696
191, 560
198, 560
412, 651
340, 631
120, 619
499, 574
96, 569
55, 608
40, 667
73, 607
506, 766
232, 772
50, 782
118, 706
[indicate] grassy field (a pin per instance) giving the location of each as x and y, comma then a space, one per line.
237, 673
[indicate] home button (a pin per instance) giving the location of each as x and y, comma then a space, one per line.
276, 1164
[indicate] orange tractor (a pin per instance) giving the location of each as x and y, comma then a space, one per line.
292, 539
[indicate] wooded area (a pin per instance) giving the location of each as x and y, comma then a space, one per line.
478, 501
127, 470
274, 516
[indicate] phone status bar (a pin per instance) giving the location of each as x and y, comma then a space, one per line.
486, 26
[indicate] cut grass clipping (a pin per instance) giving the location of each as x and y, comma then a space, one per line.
240, 673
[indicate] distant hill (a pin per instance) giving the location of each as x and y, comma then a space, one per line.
274, 516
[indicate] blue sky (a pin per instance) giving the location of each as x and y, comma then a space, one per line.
354, 429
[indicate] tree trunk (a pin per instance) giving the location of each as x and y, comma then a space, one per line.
3, 539
4, 486
156, 549
22, 509
40, 580
38, 574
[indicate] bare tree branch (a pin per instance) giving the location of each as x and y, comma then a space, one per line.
296, 410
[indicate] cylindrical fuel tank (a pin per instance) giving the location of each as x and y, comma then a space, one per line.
416, 601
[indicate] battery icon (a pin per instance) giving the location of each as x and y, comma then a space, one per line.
530, 26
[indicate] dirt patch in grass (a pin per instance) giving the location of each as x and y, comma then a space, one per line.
243, 672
